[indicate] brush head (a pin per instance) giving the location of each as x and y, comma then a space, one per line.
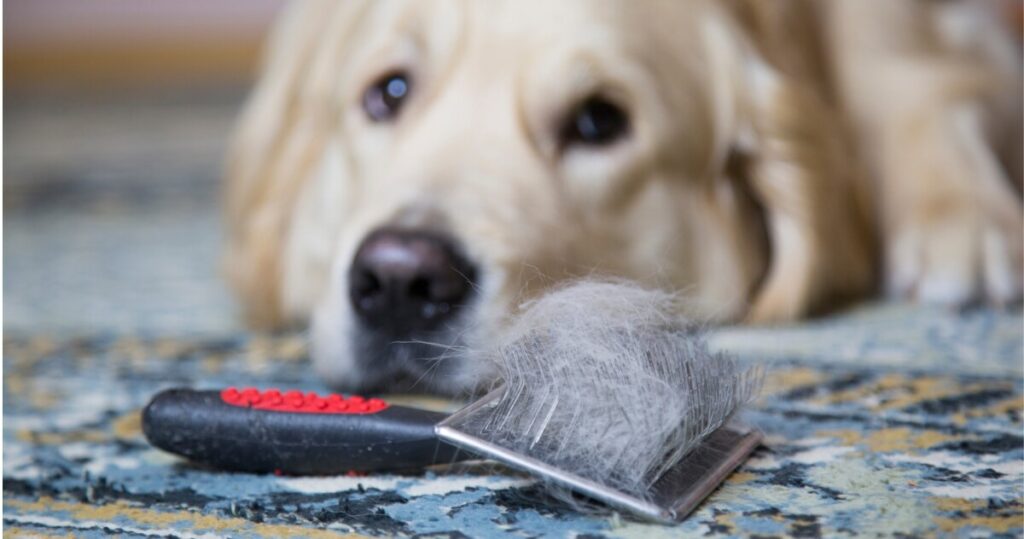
607, 389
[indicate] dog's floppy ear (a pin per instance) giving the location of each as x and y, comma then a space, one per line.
797, 167
279, 138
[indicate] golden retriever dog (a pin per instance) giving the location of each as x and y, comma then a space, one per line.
408, 171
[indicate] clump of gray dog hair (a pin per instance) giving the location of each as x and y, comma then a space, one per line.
608, 380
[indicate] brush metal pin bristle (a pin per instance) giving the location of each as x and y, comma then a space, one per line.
671, 497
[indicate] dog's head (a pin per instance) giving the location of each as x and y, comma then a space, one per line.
407, 171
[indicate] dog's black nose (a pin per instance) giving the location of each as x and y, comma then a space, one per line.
402, 281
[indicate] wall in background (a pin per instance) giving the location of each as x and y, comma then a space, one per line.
104, 43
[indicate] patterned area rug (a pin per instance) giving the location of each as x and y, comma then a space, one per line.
850, 450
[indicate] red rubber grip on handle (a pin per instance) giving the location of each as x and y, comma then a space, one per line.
297, 402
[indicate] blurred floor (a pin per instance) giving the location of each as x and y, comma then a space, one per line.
110, 211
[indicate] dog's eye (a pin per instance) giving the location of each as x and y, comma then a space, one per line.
595, 122
384, 98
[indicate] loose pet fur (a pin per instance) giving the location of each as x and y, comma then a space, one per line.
608, 380
407, 171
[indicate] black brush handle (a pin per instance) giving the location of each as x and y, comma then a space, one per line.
293, 433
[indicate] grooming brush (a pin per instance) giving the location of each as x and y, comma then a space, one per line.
297, 433
605, 392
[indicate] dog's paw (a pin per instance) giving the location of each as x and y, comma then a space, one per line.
965, 256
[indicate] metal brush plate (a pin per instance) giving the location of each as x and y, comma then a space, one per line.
672, 497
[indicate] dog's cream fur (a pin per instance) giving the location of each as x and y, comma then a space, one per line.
783, 154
